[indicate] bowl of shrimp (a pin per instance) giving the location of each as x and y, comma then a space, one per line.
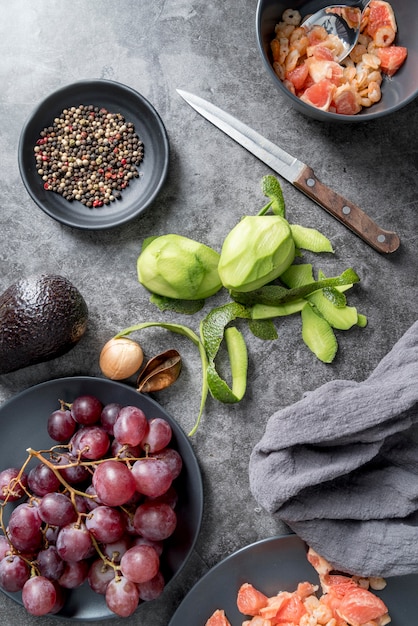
377, 78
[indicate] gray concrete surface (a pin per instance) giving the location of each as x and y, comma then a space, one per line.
209, 48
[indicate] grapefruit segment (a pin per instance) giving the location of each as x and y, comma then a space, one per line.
298, 76
218, 619
360, 606
391, 58
322, 53
325, 69
250, 600
319, 94
381, 15
291, 611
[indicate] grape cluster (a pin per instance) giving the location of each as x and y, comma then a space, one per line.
95, 507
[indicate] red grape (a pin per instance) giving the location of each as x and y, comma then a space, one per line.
73, 472
90, 442
122, 596
155, 521
14, 572
151, 589
114, 551
158, 435
39, 595
86, 410
130, 426
108, 416
74, 575
49, 563
60, 599
170, 497
105, 524
100, 575
25, 528
172, 458
51, 534
61, 425
57, 509
74, 542
125, 452
114, 483
140, 563
42, 480
152, 476
11, 488
157, 545
92, 501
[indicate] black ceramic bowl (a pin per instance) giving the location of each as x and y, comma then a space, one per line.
397, 91
140, 193
272, 565
23, 424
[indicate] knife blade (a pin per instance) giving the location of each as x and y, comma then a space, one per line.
298, 174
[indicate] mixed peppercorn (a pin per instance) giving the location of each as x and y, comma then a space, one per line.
88, 154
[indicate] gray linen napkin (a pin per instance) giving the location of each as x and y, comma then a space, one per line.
340, 467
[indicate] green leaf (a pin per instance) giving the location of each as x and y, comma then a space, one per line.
273, 190
187, 307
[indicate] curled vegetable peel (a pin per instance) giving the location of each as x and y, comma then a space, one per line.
208, 346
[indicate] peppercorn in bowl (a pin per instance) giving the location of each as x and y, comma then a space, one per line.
94, 154
379, 77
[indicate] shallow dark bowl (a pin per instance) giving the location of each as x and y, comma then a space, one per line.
23, 424
140, 193
397, 91
272, 565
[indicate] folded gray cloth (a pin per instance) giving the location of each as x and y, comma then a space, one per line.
340, 467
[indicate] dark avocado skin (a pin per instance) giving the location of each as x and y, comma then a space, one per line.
41, 318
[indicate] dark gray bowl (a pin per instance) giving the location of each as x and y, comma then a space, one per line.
397, 91
271, 565
140, 193
23, 421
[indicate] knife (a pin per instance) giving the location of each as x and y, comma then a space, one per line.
298, 173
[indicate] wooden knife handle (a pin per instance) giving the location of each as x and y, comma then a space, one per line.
347, 212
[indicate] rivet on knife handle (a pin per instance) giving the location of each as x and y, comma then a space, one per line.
347, 212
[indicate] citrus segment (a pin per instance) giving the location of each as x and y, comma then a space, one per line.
320, 94
250, 600
218, 619
391, 58
360, 606
380, 16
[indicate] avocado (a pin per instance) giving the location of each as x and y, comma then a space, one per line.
41, 318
